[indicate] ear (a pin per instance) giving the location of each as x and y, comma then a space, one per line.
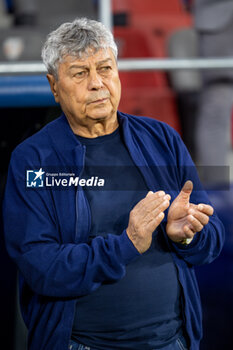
53, 86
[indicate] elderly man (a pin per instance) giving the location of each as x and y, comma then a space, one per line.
109, 267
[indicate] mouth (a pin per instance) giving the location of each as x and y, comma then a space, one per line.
102, 100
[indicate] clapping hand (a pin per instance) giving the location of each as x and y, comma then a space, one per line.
184, 218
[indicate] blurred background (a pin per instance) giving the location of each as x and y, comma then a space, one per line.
198, 103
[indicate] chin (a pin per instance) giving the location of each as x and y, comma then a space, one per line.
100, 115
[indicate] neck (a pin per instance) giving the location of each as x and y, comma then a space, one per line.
95, 128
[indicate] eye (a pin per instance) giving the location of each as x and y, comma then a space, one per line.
80, 74
105, 68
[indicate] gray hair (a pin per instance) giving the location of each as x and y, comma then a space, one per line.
74, 39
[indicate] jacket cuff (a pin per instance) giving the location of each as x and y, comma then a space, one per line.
184, 247
128, 250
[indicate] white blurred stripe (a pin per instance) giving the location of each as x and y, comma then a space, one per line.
144, 64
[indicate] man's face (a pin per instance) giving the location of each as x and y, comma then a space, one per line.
88, 89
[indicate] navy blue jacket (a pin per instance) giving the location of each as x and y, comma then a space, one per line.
46, 230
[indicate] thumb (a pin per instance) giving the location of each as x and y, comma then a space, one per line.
186, 190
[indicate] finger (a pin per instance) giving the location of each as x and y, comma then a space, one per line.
206, 209
160, 208
196, 225
149, 193
151, 202
188, 232
186, 191
145, 203
203, 218
155, 222
156, 194
187, 188
151, 196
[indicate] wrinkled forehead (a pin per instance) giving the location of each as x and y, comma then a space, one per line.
89, 53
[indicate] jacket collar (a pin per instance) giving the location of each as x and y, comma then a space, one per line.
71, 152
66, 143
68, 149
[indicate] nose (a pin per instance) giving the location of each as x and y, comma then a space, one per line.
95, 81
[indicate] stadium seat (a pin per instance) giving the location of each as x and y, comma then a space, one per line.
158, 19
152, 6
158, 103
144, 93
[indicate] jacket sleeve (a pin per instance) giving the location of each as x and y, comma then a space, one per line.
207, 244
49, 266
